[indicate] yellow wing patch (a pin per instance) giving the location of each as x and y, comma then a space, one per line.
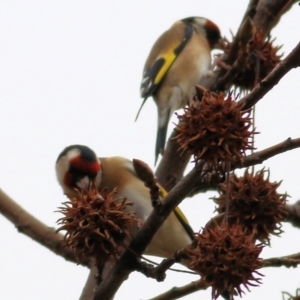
155, 71
169, 58
177, 210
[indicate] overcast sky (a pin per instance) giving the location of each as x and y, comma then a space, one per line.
70, 73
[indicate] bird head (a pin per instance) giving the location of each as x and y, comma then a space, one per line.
206, 27
76, 167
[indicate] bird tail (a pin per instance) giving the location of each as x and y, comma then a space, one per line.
161, 135
138, 113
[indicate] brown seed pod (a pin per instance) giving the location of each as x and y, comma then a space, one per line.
254, 62
96, 224
215, 129
226, 258
254, 203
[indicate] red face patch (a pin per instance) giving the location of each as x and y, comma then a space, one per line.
87, 167
80, 167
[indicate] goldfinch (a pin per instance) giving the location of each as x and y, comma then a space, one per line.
78, 165
178, 60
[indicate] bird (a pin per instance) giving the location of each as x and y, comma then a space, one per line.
77, 166
179, 59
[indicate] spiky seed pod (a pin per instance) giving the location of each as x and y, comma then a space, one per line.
226, 258
254, 203
96, 224
266, 52
255, 61
215, 129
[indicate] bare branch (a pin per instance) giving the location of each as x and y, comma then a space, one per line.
293, 213
178, 292
172, 165
288, 261
159, 272
260, 156
255, 159
268, 13
89, 287
35, 229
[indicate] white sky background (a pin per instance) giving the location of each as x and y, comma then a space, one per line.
70, 73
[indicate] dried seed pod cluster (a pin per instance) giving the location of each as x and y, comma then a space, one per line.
215, 129
226, 258
254, 203
255, 61
96, 224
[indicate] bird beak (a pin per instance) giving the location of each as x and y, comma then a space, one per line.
83, 183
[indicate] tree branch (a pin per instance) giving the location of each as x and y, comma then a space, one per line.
293, 213
255, 159
288, 261
264, 13
178, 292
35, 229
90, 284
260, 156
268, 13
172, 165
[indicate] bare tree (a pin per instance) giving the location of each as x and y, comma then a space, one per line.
252, 64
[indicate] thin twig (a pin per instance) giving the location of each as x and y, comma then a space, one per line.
260, 90
254, 159
260, 156
227, 166
178, 292
288, 261
293, 213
